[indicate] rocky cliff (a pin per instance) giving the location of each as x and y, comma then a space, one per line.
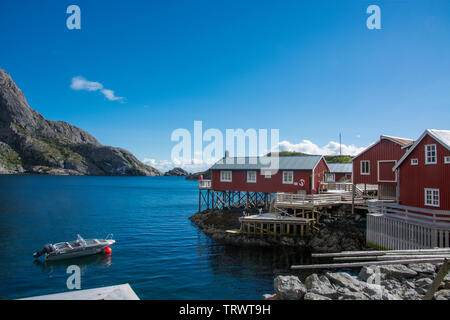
178, 172
31, 144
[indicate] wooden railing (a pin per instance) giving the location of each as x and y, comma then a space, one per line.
204, 184
393, 226
344, 186
412, 214
302, 199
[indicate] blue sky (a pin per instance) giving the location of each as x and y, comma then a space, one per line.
311, 69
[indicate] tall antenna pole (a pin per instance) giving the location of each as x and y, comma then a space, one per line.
340, 144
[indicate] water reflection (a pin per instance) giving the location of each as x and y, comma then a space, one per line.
255, 261
97, 260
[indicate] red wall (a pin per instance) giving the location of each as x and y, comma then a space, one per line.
272, 185
414, 179
384, 150
338, 176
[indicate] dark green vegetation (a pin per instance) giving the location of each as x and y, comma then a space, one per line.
329, 159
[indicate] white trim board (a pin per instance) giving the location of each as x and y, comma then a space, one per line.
378, 171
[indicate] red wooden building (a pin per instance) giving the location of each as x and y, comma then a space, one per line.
339, 172
424, 172
374, 165
296, 174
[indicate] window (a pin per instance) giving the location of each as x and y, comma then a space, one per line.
447, 159
365, 167
225, 176
267, 174
288, 177
330, 177
414, 162
432, 197
251, 176
430, 154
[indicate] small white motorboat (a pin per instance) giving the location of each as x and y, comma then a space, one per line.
75, 249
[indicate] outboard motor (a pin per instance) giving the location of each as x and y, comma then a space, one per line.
46, 249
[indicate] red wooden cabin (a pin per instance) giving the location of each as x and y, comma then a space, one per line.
296, 174
339, 172
374, 165
424, 172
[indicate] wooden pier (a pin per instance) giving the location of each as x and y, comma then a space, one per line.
220, 200
273, 224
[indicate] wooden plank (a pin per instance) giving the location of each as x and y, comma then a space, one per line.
380, 253
364, 264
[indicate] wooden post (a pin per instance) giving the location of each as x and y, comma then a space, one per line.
437, 281
353, 200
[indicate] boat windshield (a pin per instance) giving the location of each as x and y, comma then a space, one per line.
81, 240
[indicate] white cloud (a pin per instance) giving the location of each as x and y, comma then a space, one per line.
80, 83
331, 148
166, 165
305, 146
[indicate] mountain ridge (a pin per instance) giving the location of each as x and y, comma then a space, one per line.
29, 143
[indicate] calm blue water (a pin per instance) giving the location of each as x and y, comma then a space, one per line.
159, 252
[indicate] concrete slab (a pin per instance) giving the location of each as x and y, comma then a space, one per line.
119, 292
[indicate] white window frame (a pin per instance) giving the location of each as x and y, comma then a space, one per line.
447, 159
378, 171
223, 176
433, 192
291, 181
414, 162
330, 175
361, 168
249, 174
426, 154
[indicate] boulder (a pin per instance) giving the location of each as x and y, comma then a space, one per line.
344, 280
397, 271
314, 296
320, 286
427, 268
367, 272
442, 295
289, 288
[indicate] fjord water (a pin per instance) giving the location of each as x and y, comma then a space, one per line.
159, 252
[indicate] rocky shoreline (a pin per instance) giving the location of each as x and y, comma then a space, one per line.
337, 232
389, 282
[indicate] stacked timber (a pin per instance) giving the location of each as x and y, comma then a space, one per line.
368, 258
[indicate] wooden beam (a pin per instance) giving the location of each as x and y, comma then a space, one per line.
364, 264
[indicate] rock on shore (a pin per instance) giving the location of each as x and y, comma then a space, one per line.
389, 282
29, 143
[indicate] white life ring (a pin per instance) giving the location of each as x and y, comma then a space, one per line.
301, 182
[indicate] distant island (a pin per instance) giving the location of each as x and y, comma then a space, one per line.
31, 144
177, 172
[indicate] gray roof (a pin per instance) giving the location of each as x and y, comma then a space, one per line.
340, 167
256, 163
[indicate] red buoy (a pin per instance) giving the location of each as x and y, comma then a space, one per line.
108, 250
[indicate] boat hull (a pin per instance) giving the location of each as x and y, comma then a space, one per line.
76, 254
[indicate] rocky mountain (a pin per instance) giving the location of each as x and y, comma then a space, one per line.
29, 143
179, 172
196, 176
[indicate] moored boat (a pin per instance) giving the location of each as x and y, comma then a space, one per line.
74, 249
